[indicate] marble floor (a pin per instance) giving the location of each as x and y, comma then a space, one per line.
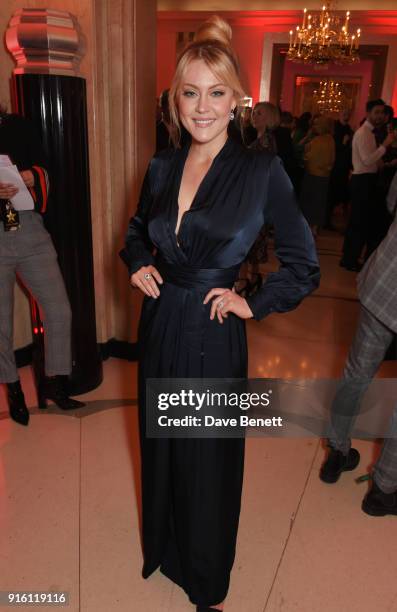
68, 508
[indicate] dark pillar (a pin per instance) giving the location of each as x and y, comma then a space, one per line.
57, 105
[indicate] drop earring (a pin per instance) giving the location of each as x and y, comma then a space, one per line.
231, 115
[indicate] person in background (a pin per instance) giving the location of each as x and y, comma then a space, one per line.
265, 120
302, 126
284, 146
300, 137
389, 165
382, 219
287, 121
366, 156
339, 192
319, 160
27, 252
271, 137
247, 129
375, 332
382, 130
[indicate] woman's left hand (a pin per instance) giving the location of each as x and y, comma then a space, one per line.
227, 300
27, 177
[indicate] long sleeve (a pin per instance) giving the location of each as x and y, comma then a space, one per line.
138, 250
40, 189
37, 163
368, 151
299, 273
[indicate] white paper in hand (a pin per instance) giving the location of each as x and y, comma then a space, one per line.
10, 174
5, 161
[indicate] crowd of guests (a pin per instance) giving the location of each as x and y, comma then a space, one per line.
374, 161
329, 165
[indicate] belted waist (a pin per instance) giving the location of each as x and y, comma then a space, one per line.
197, 278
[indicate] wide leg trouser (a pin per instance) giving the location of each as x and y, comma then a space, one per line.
198, 485
29, 254
191, 487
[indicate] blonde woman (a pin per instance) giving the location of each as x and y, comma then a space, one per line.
319, 161
202, 206
265, 119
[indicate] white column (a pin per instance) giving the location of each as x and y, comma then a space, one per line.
390, 73
269, 39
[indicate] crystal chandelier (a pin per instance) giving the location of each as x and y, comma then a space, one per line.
323, 38
328, 98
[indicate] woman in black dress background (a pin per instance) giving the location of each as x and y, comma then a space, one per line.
201, 207
265, 119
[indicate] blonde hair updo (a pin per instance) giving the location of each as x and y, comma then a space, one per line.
215, 28
212, 44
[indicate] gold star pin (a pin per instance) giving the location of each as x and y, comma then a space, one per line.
11, 216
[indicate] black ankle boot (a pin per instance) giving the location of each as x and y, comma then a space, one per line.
337, 462
54, 388
16, 402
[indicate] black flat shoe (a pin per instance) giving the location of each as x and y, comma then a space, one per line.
336, 463
54, 388
16, 403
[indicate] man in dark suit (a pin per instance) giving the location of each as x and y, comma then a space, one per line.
285, 149
339, 179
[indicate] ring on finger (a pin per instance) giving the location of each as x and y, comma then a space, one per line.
220, 305
147, 276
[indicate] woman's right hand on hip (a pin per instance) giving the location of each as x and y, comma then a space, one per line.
7, 191
145, 280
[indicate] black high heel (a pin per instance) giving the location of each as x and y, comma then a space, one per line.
16, 403
54, 388
207, 609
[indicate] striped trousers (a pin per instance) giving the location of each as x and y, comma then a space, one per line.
371, 341
29, 254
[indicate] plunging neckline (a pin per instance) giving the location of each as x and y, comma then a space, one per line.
193, 205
